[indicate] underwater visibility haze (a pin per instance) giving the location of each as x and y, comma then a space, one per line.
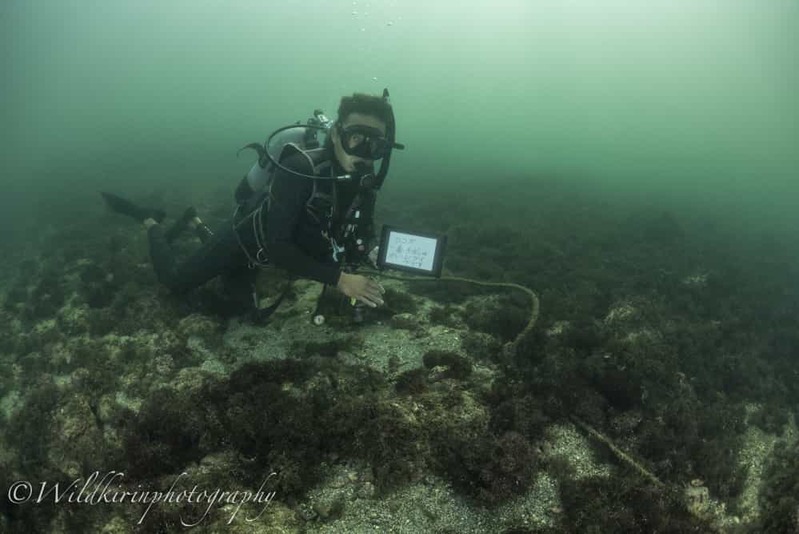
629, 167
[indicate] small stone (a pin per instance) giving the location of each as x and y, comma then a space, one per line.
306, 512
404, 321
366, 491
322, 510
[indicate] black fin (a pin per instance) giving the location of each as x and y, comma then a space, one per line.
126, 207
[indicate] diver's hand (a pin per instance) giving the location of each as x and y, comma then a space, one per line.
364, 289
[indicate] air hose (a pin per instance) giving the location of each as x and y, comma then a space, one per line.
534, 303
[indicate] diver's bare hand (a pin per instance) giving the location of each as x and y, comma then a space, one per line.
364, 289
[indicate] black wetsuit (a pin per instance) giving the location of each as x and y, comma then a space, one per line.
296, 231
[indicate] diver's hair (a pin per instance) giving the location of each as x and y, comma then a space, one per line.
375, 106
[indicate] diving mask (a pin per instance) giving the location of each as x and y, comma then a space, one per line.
364, 141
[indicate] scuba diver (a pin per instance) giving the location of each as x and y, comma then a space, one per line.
305, 209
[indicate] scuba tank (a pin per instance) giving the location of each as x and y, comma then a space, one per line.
304, 138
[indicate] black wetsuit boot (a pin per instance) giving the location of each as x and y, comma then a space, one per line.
201, 229
203, 232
